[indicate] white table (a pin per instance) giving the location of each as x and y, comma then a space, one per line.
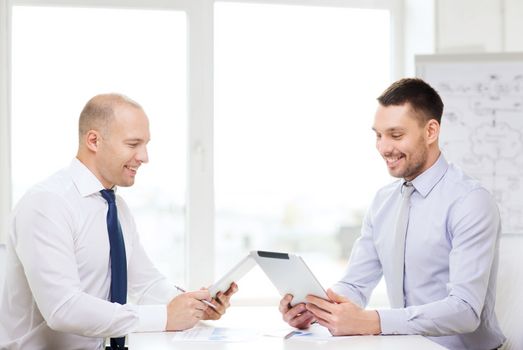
267, 320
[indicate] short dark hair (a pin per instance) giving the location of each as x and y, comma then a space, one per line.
421, 96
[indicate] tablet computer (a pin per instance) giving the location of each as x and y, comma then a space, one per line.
237, 272
290, 275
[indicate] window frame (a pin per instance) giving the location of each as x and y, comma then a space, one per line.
199, 242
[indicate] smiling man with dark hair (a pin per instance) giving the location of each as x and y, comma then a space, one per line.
433, 235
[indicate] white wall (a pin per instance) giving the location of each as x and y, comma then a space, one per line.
513, 25
419, 35
472, 26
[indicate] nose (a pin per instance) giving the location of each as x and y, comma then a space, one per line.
142, 156
384, 146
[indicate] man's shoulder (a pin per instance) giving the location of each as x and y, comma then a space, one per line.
457, 188
56, 187
388, 190
385, 195
458, 182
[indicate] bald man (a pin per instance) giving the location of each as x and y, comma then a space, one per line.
58, 290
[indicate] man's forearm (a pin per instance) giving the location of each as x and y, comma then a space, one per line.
444, 317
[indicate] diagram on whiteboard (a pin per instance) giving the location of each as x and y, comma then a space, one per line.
482, 127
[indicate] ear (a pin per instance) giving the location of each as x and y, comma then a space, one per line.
432, 131
92, 138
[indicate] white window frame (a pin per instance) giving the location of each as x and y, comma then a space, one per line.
199, 261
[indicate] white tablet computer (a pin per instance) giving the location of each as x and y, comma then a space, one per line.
237, 272
290, 275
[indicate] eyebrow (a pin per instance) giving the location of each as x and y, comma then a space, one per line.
135, 139
390, 130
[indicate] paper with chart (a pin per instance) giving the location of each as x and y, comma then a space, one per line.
314, 333
215, 334
482, 125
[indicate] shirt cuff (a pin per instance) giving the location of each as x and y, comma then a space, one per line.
152, 318
394, 321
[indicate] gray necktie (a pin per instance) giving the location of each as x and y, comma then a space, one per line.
396, 295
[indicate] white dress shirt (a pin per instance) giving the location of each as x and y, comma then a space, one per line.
58, 276
451, 260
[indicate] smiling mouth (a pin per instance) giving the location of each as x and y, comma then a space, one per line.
133, 169
392, 161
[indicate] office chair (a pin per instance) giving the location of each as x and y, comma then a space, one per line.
509, 297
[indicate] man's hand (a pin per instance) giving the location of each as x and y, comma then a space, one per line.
343, 317
222, 302
186, 309
297, 316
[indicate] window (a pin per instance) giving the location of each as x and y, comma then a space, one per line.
283, 157
295, 163
61, 57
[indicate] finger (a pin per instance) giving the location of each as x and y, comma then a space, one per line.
217, 298
200, 294
196, 304
214, 314
319, 312
285, 303
233, 288
222, 299
303, 320
337, 298
223, 302
323, 322
219, 308
321, 303
211, 315
294, 312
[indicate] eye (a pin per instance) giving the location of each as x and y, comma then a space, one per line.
396, 136
132, 145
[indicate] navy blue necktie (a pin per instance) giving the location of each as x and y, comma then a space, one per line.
118, 260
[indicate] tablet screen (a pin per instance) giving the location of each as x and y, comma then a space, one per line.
290, 275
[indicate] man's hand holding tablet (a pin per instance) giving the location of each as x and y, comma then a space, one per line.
338, 314
341, 316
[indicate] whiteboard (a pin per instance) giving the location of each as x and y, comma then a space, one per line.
482, 124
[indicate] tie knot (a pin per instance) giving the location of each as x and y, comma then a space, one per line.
408, 188
108, 195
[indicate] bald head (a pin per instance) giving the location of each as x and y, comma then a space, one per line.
114, 133
99, 111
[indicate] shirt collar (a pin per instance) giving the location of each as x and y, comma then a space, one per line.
85, 181
425, 182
